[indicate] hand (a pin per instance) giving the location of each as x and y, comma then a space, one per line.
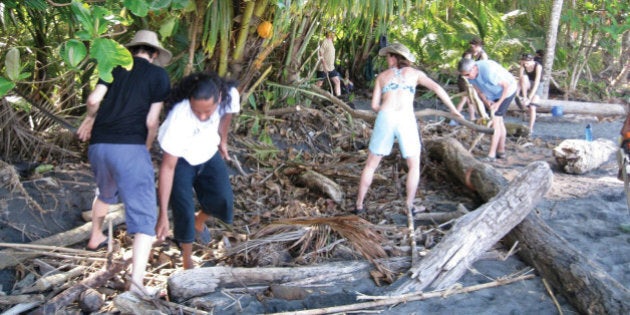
224, 151
162, 229
85, 130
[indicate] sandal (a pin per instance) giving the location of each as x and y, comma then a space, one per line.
203, 237
500, 155
103, 244
358, 211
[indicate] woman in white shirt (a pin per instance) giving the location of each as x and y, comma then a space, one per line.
194, 140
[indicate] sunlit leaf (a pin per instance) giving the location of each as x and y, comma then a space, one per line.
82, 13
159, 4
73, 52
137, 7
166, 30
12, 64
109, 54
5, 86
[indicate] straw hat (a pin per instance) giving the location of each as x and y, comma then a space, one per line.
399, 49
149, 38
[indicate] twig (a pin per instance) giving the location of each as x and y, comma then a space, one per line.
390, 300
553, 297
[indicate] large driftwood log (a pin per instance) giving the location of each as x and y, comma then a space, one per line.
587, 286
186, 284
11, 257
582, 108
478, 231
577, 156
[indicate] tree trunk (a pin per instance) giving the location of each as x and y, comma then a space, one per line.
478, 231
187, 284
581, 156
550, 45
587, 286
582, 108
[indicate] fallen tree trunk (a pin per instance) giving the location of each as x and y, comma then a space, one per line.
587, 286
478, 231
186, 284
11, 257
574, 107
577, 156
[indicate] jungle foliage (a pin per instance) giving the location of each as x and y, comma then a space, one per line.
53, 51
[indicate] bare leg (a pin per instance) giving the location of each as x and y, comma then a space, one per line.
186, 249
141, 248
413, 177
99, 211
502, 135
532, 113
337, 83
366, 177
497, 124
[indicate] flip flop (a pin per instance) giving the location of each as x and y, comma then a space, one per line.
204, 236
103, 244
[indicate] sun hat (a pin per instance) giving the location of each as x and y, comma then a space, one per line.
399, 49
149, 38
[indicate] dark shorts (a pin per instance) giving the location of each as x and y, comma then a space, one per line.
126, 171
211, 183
322, 75
504, 106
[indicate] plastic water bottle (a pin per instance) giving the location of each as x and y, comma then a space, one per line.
588, 133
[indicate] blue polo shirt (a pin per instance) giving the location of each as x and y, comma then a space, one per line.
490, 74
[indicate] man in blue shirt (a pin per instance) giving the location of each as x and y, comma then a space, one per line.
496, 88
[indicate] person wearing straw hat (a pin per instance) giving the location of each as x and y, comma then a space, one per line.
393, 96
121, 124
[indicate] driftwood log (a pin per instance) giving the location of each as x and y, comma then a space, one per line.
186, 284
477, 231
11, 257
326, 185
586, 284
577, 156
581, 108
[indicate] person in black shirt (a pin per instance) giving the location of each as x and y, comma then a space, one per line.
121, 125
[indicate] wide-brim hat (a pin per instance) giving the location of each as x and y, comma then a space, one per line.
149, 38
399, 49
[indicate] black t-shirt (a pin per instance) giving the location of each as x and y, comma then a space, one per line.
122, 115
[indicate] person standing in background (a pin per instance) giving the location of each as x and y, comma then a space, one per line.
531, 90
392, 99
326, 69
121, 124
476, 51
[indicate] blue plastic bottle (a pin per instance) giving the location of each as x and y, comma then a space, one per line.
588, 133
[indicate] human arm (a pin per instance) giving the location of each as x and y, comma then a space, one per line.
483, 55
165, 186
153, 122
376, 95
536, 82
427, 82
224, 128
93, 103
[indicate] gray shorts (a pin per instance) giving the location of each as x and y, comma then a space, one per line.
125, 171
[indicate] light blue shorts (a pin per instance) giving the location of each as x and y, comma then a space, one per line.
391, 125
126, 171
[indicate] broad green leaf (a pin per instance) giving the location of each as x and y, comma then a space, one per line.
101, 16
166, 30
180, 4
159, 4
73, 52
83, 35
137, 7
109, 54
5, 86
12, 64
83, 14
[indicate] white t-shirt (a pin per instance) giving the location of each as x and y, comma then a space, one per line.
182, 134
